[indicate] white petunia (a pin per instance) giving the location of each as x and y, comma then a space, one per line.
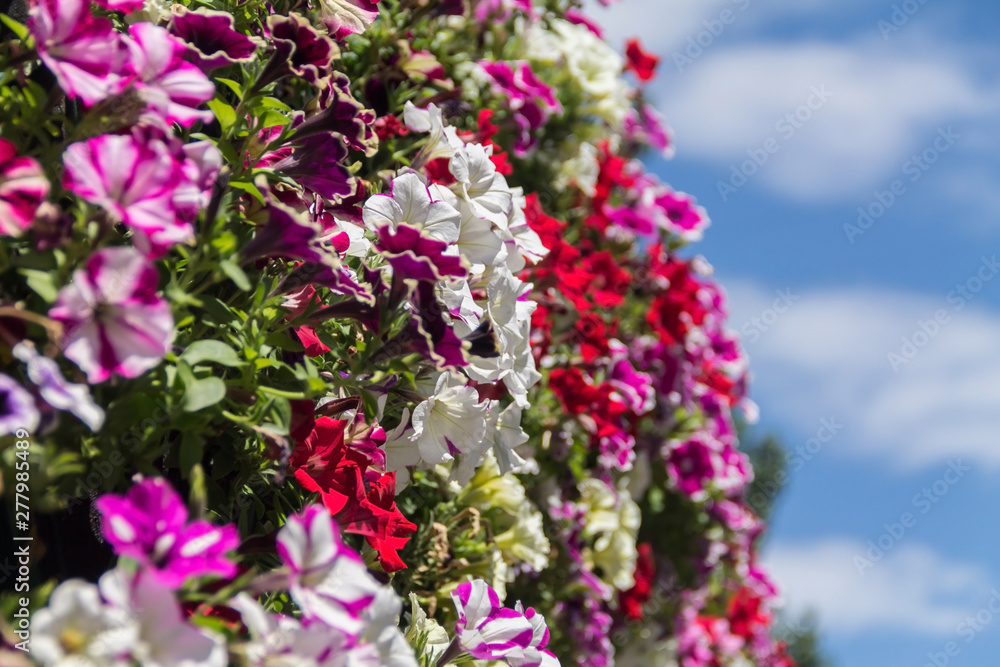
410, 203
77, 629
450, 422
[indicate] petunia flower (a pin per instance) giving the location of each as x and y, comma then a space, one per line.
639, 61
410, 203
115, 323
489, 631
150, 525
530, 100
17, 407
211, 38
23, 188
44, 373
327, 580
348, 17
165, 637
78, 627
171, 86
137, 182
450, 422
85, 53
298, 50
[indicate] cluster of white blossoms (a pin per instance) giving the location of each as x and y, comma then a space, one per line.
481, 220
593, 68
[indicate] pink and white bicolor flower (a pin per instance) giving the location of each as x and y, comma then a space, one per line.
137, 182
23, 188
489, 631
327, 579
172, 86
115, 322
150, 525
85, 53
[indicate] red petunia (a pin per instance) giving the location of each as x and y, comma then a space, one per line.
358, 495
639, 61
633, 599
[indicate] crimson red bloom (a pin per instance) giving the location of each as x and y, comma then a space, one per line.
640, 61
358, 495
633, 599
746, 614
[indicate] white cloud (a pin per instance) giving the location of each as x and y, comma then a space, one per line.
828, 355
884, 106
912, 588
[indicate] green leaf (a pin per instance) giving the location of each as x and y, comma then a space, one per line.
203, 393
216, 351
225, 114
192, 449
248, 187
272, 117
42, 283
18, 29
232, 85
274, 104
235, 273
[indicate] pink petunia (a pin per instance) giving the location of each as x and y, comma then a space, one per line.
85, 53
150, 525
327, 579
489, 631
171, 86
115, 322
23, 188
347, 17
137, 182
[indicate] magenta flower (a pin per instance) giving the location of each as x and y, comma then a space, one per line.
170, 85
682, 216
530, 100
646, 126
417, 257
149, 524
211, 37
115, 323
137, 182
328, 581
489, 631
23, 188
85, 53
692, 465
347, 17
124, 6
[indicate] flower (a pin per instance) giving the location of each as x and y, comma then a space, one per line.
115, 323
17, 407
361, 498
640, 62
525, 541
327, 580
211, 37
693, 464
450, 422
298, 50
150, 525
410, 204
138, 182
23, 188
44, 373
489, 631
77, 627
613, 518
171, 86
164, 636
347, 17
531, 100
85, 53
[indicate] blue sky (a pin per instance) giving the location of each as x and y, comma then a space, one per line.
916, 276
